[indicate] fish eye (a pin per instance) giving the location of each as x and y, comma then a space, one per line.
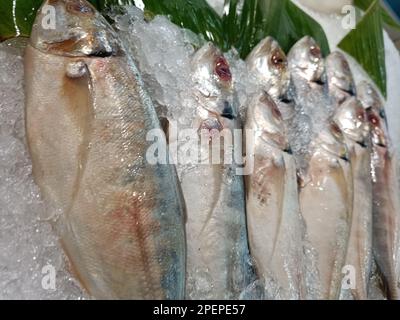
372, 118
382, 114
222, 69
361, 115
315, 51
79, 7
278, 59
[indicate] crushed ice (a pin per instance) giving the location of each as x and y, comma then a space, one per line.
162, 52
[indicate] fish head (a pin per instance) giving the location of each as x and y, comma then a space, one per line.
212, 80
338, 74
370, 98
73, 28
268, 63
351, 118
332, 140
266, 120
305, 59
377, 128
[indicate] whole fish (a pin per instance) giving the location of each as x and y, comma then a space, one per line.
326, 192
218, 260
386, 203
268, 64
325, 203
339, 77
119, 218
352, 119
274, 221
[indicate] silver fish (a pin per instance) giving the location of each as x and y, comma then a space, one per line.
268, 64
119, 218
386, 203
352, 119
219, 264
326, 205
306, 61
339, 77
274, 221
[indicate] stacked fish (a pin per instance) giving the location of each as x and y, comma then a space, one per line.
287, 230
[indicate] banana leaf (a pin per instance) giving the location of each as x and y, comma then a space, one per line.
366, 45
387, 18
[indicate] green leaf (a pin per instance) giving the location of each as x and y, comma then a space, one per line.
366, 45
387, 18
260, 18
17, 17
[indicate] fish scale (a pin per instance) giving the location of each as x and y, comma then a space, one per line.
87, 120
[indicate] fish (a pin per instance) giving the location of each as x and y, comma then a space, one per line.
218, 259
339, 77
386, 202
351, 118
326, 206
274, 222
324, 170
268, 64
306, 62
119, 217
307, 91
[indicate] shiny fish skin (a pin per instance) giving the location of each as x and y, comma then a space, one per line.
325, 203
326, 187
268, 64
274, 221
339, 77
386, 203
218, 263
352, 119
87, 117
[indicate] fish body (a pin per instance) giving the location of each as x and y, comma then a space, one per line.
323, 160
274, 221
386, 203
351, 118
87, 117
219, 264
325, 203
